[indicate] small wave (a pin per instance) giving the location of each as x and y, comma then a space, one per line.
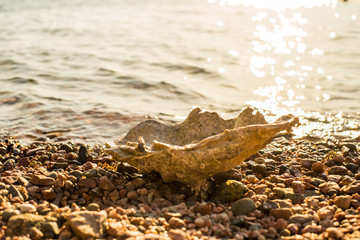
10, 100
193, 70
9, 62
20, 80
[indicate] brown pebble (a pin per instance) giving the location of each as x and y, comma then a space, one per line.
42, 180
280, 224
204, 208
293, 228
177, 234
175, 222
284, 213
199, 222
132, 195
318, 167
87, 182
334, 233
298, 187
343, 202
48, 193
312, 229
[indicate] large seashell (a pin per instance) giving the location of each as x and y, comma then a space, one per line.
211, 145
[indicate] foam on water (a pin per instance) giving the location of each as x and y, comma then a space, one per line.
92, 69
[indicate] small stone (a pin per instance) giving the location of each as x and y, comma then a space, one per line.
76, 173
334, 233
93, 207
268, 205
42, 180
338, 170
329, 187
318, 167
255, 227
352, 188
66, 148
87, 224
48, 193
175, 222
22, 224
7, 213
293, 228
177, 234
229, 191
24, 162
15, 192
285, 233
300, 218
125, 167
50, 229
343, 202
280, 224
312, 229
132, 195
52, 175
204, 209
83, 155
259, 168
106, 184
9, 164
353, 167
243, 206
298, 187
296, 198
134, 184
87, 182
27, 208
199, 222
284, 213
91, 173
280, 192
326, 212
114, 195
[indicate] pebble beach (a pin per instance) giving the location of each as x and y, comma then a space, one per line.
292, 189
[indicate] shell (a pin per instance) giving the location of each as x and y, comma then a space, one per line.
194, 163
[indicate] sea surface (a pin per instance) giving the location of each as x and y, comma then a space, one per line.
89, 70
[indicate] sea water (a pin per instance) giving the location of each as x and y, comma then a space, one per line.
90, 70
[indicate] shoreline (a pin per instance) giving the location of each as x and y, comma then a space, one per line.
292, 189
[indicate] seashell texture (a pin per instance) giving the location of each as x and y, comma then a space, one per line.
210, 145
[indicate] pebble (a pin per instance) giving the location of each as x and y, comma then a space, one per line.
27, 208
298, 187
338, 170
343, 202
106, 184
229, 191
87, 182
175, 222
243, 206
334, 233
282, 213
76, 173
93, 207
285, 233
312, 229
87, 225
300, 218
67, 148
318, 167
42, 180
280, 224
